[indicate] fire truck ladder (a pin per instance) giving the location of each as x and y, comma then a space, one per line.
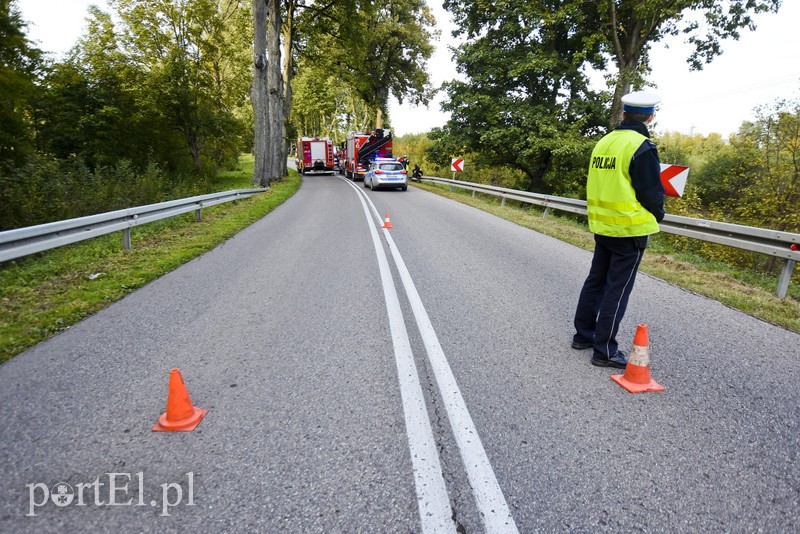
375, 142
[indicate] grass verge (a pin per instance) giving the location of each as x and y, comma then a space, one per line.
43, 294
743, 290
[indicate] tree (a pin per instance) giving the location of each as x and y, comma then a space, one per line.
376, 48
20, 64
229, 51
772, 198
289, 32
292, 25
719, 182
92, 107
526, 101
177, 44
319, 103
398, 44
258, 95
275, 89
266, 93
628, 28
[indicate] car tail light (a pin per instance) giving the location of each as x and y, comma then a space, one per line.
378, 171
403, 172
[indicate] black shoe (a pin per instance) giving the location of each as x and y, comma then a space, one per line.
580, 345
619, 360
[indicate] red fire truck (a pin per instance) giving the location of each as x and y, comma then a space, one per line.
315, 154
364, 147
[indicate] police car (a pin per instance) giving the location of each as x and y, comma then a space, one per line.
386, 173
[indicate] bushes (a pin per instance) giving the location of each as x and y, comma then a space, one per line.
565, 177
46, 189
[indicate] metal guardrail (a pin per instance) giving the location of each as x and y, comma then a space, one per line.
29, 240
764, 241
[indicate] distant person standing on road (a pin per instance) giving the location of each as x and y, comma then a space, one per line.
625, 203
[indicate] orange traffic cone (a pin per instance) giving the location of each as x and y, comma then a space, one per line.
181, 415
386, 222
637, 373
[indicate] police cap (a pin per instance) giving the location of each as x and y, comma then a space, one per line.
640, 102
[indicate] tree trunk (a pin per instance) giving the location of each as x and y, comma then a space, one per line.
275, 90
622, 88
627, 46
382, 97
194, 148
288, 40
258, 95
365, 120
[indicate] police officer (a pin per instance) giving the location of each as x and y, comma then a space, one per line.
625, 202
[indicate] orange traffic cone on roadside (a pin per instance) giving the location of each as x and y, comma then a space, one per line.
386, 222
637, 373
181, 415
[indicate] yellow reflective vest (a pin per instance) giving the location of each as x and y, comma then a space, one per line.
611, 200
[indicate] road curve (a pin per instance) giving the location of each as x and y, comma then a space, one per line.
282, 334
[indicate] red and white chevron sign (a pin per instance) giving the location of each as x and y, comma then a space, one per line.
457, 165
673, 178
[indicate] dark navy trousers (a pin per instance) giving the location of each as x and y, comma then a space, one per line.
604, 297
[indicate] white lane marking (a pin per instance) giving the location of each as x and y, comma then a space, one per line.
488, 495
435, 511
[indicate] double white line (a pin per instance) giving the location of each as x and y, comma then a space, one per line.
434, 504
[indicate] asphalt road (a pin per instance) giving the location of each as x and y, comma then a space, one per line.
286, 335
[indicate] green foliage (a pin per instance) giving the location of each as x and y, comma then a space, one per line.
721, 20
526, 103
433, 154
146, 107
322, 106
721, 179
373, 49
397, 45
168, 82
19, 65
30, 194
626, 29
753, 179
93, 109
415, 148
189, 62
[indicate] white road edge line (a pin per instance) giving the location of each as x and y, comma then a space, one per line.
435, 511
489, 497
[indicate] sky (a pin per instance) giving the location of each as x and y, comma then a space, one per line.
758, 69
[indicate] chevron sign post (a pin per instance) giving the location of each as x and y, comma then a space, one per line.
673, 178
456, 165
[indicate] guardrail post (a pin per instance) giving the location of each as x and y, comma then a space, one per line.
503, 201
197, 215
786, 276
546, 212
126, 239
473, 193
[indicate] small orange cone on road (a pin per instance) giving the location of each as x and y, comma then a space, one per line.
386, 222
637, 373
181, 415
